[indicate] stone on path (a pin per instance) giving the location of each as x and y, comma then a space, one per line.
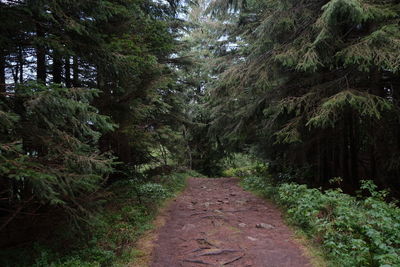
265, 226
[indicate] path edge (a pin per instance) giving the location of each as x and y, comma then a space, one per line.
308, 248
145, 245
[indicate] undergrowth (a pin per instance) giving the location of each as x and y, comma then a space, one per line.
241, 165
352, 231
109, 235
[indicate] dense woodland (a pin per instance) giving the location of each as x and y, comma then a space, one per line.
314, 89
95, 92
88, 92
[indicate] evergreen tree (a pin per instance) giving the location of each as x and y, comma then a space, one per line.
48, 153
315, 88
209, 49
60, 137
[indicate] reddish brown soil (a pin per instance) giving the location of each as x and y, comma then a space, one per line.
214, 222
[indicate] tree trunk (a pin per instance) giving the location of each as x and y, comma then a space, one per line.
100, 80
345, 154
336, 161
353, 136
320, 163
21, 64
2, 72
373, 163
15, 73
189, 150
68, 83
40, 56
325, 165
75, 68
57, 67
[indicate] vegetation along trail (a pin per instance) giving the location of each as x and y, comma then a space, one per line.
216, 223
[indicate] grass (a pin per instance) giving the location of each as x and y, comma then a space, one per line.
311, 250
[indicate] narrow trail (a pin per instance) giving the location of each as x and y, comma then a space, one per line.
216, 223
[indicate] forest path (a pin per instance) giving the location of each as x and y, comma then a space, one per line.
216, 223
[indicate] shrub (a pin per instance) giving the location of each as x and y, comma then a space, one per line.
108, 237
253, 170
152, 192
353, 232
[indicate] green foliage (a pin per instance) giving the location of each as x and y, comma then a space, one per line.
313, 83
205, 42
122, 48
365, 104
377, 49
353, 231
242, 165
61, 140
337, 12
173, 181
258, 169
48, 147
152, 192
237, 172
110, 235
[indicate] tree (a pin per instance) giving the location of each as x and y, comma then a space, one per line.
208, 49
316, 88
48, 150
84, 84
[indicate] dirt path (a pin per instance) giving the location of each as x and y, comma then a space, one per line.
216, 223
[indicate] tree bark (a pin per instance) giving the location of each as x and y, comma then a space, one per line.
75, 69
40, 56
68, 82
100, 80
2, 72
336, 160
320, 164
15, 73
373, 163
345, 153
57, 67
21, 64
353, 137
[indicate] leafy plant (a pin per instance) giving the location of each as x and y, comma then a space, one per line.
353, 232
